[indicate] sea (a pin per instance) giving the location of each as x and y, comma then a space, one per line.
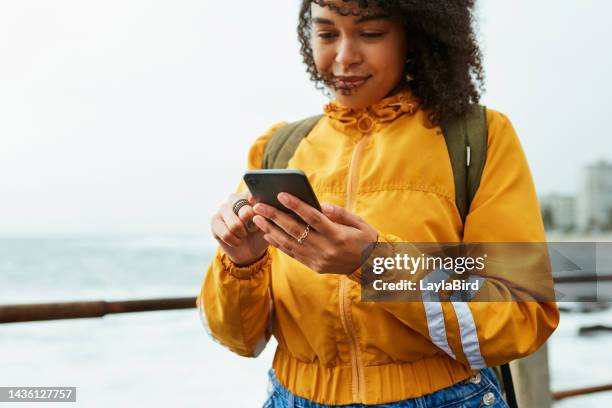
165, 358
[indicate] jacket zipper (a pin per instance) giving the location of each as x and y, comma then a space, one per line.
353, 175
357, 377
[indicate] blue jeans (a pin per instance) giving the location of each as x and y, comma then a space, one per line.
482, 390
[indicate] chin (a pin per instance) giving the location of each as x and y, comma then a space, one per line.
362, 97
353, 101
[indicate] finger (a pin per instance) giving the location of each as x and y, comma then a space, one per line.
341, 216
298, 256
234, 224
245, 217
246, 214
286, 222
222, 233
277, 237
271, 241
306, 212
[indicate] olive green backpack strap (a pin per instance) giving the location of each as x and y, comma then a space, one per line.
284, 142
466, 141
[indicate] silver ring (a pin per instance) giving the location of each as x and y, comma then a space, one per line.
301, 239
239, 204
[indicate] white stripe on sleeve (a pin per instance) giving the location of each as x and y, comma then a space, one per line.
469, 336
435, 315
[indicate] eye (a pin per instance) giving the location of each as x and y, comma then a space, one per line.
326, 35
372, 34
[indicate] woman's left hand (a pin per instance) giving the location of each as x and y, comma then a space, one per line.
335, 239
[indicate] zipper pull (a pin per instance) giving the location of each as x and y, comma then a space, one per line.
365, 124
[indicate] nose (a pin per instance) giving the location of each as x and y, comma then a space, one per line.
347, 53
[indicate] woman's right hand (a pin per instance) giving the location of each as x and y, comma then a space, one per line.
239, 237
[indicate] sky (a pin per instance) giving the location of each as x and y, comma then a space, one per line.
134, 117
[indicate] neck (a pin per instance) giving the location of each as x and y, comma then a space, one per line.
401, 86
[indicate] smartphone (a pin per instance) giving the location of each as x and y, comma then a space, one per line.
265, 185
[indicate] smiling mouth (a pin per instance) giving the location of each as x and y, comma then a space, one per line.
349, 83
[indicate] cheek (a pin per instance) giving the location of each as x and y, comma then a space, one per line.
391, 63
323, 57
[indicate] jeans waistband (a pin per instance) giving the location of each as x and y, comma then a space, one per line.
484, 384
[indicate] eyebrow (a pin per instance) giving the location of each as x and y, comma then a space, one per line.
363, 19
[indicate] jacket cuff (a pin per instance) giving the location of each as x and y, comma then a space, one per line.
356, 274
245, 271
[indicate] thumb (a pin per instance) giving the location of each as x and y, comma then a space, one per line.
340, 215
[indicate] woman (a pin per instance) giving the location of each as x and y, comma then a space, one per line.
377, 158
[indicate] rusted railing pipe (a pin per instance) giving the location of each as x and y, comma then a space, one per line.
580, 391
76, 310
581, 279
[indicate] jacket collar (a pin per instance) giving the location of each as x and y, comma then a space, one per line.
364, 120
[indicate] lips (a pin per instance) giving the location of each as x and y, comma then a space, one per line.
349, 82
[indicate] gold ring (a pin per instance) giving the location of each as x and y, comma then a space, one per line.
301, 239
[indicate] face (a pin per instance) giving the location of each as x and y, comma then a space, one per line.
361, 58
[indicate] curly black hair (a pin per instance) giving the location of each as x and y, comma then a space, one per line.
447, 69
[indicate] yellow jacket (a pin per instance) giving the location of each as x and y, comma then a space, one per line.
388, 165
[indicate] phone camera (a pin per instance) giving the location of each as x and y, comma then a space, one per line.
252, 182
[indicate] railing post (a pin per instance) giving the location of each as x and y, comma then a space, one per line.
531, 379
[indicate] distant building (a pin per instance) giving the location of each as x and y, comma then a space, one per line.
558, 211
594, 203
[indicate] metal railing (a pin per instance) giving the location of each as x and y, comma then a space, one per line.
76, 310
558, 395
